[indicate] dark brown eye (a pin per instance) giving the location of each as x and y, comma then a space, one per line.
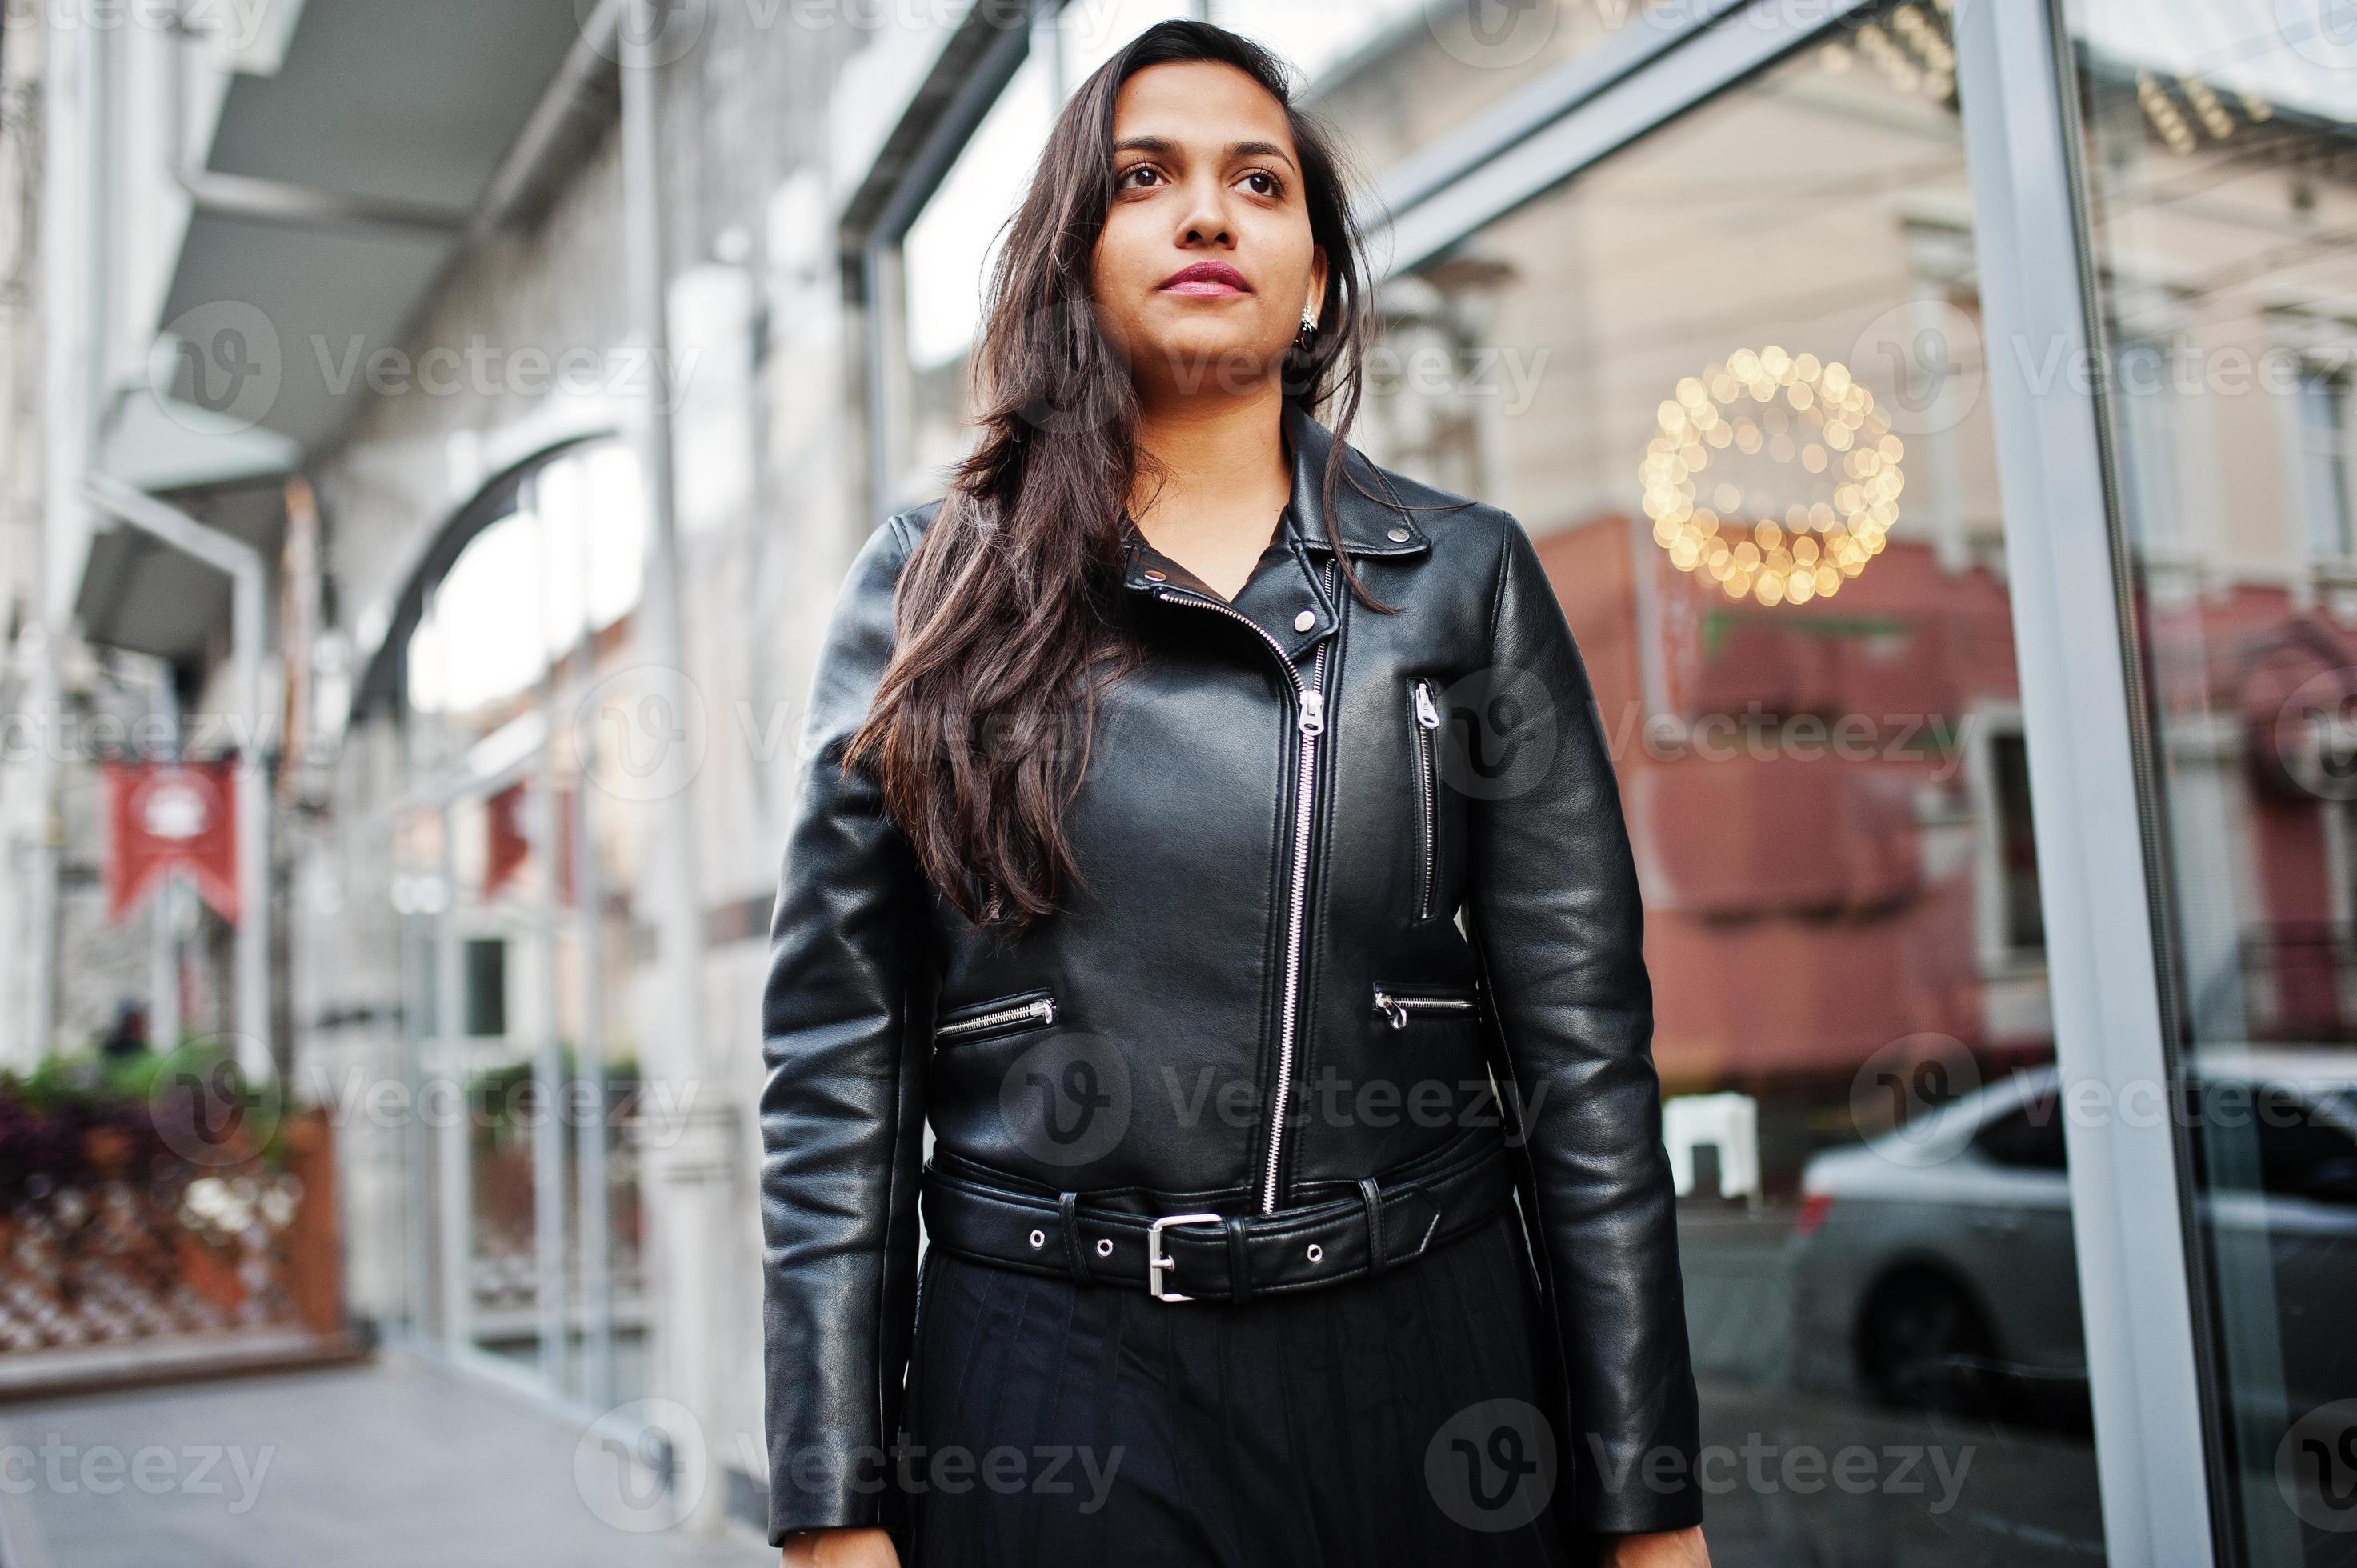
1134, 172
1262, 183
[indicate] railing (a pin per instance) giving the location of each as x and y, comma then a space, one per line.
2299, 983
124, 1257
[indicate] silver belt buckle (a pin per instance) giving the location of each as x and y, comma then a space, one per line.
1158, 1262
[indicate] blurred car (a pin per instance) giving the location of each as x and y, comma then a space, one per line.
1932, 1267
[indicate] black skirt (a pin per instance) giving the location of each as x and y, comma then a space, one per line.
1396, 1419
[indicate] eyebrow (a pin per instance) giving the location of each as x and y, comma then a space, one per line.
1164, 146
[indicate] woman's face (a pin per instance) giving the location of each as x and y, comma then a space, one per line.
1206, 260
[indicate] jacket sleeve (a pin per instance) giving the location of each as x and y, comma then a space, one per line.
1552, 909
842, 1106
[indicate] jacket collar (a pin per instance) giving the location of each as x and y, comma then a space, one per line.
1368, 527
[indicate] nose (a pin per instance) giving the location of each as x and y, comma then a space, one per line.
1208, 222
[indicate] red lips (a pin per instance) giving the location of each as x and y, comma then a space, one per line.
1207, 278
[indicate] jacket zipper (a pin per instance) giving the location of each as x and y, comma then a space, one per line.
1395, 1007
1427, 735
1043, 1010
1311, 722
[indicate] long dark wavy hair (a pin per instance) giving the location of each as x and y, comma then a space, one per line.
1003, 616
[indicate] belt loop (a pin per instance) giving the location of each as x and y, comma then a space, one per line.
1067, 1207
1373, 1197
1239, 1265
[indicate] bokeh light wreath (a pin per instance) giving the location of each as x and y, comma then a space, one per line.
1796, 413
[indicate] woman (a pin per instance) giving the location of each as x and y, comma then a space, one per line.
1148, 772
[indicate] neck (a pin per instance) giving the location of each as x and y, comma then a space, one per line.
1203, 447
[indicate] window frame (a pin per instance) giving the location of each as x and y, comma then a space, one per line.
2001, 958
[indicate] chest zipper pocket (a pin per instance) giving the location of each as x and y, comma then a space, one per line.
1426, 714
1009, 1014
1399, 1006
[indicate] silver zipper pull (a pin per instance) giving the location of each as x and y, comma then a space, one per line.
1426, 714
1313, 713
1391, 1009
1044, 1009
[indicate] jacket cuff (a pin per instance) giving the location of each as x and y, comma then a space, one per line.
1657, 1491
823, 1488
1683, 1512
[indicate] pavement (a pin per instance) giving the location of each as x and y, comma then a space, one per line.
1801, 1477
1738, 1283
404, 1461
398, 1461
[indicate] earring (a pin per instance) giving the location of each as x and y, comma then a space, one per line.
1307, 338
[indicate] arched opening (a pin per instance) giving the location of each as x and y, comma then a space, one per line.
512, 858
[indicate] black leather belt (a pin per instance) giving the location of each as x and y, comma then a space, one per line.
1216, 1257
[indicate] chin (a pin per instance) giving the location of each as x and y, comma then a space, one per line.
1204, 358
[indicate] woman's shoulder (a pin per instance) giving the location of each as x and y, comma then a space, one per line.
871, 579
908, 527
884, 553
1459, 523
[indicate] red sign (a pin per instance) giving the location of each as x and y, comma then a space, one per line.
511, 841
164, 817
509, 826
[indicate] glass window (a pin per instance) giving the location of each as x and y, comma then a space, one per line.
1730, 378
521, 915
2148, 414
2031, 1137
2324, 437
945, 261
2303, 1154
2218, 173
2024, 916
486, 986
577, 543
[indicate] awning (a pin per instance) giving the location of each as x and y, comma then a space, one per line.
335, 192
139, 594
412, 106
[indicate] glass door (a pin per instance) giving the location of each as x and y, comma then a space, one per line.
1731, 377
2222, 191
499, 1025
514, 870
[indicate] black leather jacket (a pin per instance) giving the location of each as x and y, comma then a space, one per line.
1284, 814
